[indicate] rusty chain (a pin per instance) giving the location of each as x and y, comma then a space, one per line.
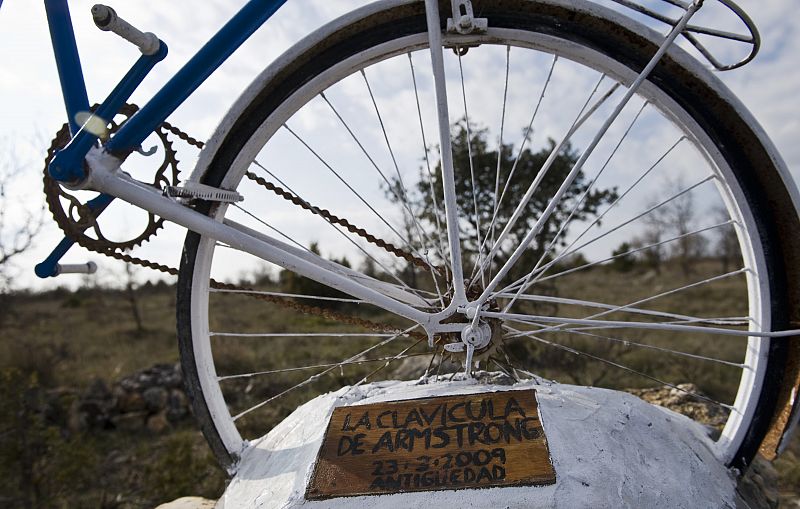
75, 231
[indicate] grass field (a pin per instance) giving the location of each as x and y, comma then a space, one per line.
60, 342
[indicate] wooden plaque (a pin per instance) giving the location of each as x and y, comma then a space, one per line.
442, 443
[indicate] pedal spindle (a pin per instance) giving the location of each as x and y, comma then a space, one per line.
107, 20
76, 268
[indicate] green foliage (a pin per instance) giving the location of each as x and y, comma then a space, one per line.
40, 464
291, 282
50, 353
479, 194
183, 466
624, 261
788, 467
44, 464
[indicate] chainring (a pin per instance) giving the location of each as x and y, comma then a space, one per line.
76, 219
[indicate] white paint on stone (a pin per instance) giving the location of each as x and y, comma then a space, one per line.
188, 503
609, 449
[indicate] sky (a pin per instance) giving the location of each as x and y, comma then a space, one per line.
31, 109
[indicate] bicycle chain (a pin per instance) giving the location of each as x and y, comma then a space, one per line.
331, 218
324, 213
73, 231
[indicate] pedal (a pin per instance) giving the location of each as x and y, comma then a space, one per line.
107, 20
196, 191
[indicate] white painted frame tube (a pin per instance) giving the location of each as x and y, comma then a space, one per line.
116, 183
448, 174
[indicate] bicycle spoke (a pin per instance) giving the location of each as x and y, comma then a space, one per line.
377, 214
385, 135
602, 305
401, 196
635, 250
630, 188
360, 145
388, 361
390, 272
300, 334
523, 142
633, 371
629, 305
542, 173
577, 205
670, 351
586, 153
316, 366
495, 203
430, 363
582, 116
471, 167
569, 251
561, 321
505, 369
316, 376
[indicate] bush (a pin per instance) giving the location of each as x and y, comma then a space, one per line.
40, 465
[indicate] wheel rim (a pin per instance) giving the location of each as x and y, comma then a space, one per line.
750, 384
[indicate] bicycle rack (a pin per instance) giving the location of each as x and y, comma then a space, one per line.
691, 31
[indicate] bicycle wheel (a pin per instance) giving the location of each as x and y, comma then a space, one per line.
614, 291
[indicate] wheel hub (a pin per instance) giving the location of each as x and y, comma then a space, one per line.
479, 337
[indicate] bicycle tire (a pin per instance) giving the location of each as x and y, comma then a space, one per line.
756, 168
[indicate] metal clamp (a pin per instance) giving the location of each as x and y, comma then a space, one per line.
464, 21
196, 191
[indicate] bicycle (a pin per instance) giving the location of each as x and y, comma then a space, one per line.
628, 71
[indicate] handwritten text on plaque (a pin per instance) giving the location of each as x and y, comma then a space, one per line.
452, 442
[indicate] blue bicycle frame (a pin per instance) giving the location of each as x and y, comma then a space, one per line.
67, 165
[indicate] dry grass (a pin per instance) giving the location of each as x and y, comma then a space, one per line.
68, 339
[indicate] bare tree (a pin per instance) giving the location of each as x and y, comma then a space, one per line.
132, 295
654, 252
19, 225
726, 245
677, 218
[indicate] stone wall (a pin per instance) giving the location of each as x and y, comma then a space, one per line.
152, 399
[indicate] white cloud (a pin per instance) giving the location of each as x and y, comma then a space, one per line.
31, 98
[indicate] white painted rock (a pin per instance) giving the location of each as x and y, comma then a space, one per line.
188, 503
608, 448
